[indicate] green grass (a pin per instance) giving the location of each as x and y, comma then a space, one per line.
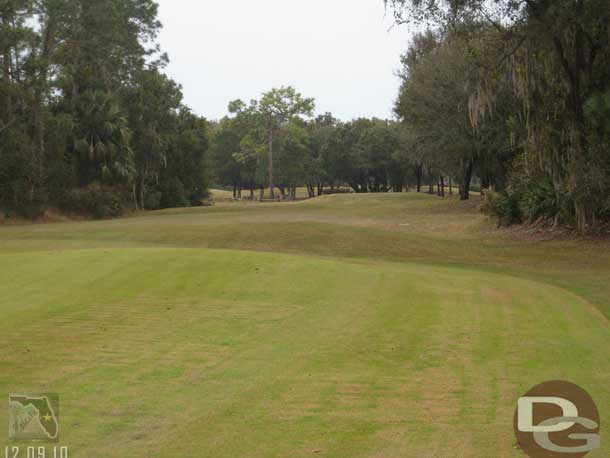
346, 326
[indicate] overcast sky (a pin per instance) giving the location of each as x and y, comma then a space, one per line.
338, 51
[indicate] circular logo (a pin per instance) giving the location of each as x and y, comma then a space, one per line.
557, 419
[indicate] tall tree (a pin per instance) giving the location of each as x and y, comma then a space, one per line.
83, 104
279, 107
152, 106
559, 53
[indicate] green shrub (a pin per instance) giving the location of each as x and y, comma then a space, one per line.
606, 209
60, 180
536, 201
173, 194
541, 201
31, 210
198, 196
152, 200
94, 200
504, 207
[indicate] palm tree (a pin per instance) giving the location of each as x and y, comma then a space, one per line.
103, 137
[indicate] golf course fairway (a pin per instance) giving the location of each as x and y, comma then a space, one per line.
343, 327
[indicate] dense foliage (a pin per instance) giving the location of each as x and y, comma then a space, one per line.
88, 123
320, 153
517, 92
511, 94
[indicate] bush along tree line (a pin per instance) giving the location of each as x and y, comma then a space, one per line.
88, 123
516, 92
267, 148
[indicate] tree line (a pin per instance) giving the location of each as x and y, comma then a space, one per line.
88, 122
275, 144
516, 92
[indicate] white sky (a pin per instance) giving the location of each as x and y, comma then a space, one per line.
338, 51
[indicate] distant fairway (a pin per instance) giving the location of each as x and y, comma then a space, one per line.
346, 326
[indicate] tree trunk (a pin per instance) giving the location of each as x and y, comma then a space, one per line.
468, 166
141, 192
38, 117
135, 196
577, 174
572, 58
6, 76
450, 186
271, 183
442, 186
486, 181
7, 67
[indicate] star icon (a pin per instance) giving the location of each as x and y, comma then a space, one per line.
47, 418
